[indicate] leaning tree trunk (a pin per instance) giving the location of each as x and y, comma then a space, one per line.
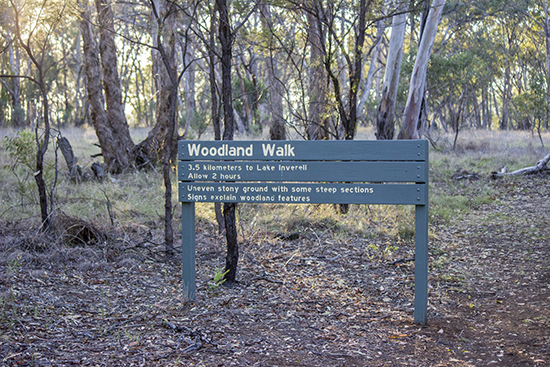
385, 124
409, 124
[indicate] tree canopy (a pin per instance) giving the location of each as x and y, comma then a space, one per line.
321, 63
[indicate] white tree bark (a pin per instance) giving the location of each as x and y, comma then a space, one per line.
380, 29
386, 111
409, 123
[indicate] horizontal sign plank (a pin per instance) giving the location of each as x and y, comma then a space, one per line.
303, 193
303, 171
317, 150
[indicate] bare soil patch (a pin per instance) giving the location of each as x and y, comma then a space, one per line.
305, 300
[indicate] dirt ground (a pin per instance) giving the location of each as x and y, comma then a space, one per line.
309, 300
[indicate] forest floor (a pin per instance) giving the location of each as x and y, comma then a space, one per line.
306, 298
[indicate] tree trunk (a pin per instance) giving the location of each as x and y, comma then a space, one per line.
506, 97
252, 70
215, 111
246, 105
79, 97
385, 124
42, 141
164, 13
18, 116
277, 129
41, 152
215, 108
226, 40
124, 145
189, 87
546, 29
355, 71
409, 124
380, 29
456, 119
317, 128
98, 114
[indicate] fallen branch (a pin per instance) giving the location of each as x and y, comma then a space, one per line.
538, 168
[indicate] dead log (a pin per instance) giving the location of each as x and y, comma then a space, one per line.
538, 168
75, 172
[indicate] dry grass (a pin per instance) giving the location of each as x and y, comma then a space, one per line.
134, 200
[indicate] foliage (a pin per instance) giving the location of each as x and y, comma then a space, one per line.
218, 280
22, 152
530, 107
22, 149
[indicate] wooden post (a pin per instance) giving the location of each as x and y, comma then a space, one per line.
421, 264
421, 250
188, 249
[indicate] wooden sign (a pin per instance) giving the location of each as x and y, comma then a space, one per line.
306, 172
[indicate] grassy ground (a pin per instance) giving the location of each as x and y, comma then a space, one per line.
135, 199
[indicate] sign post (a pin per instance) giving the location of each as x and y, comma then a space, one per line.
306, 172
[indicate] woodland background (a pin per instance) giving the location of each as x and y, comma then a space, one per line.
88, 274
311, 70
299, 62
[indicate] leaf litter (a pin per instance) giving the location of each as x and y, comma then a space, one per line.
309, 299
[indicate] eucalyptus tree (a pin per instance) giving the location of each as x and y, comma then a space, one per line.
226, 24
539, 34
165, 18
226, 37
114, 140
112, 83
164, 21
291, 73
374, 59
344, 41
409, 123
318, 127
385, 124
